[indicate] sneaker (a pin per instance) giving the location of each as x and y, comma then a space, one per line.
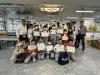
34, 59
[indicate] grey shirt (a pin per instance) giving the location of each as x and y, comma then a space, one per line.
82, 30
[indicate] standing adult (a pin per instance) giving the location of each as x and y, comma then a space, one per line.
21, 30
81, 35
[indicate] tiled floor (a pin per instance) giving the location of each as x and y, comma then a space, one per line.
88, 63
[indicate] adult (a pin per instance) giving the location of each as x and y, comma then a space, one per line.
21, 30
81, 35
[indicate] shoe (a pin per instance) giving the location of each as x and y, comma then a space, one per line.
34, 59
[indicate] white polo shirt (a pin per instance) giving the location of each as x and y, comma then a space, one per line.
21, 30
59, 48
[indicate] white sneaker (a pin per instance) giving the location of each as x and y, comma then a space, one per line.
34, 59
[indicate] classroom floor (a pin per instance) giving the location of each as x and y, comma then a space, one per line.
88, 63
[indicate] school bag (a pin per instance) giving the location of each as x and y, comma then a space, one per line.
20, 58
63, 58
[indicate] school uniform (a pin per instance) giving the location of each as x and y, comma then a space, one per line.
30, 34
41, 50
45, 35
53, 36
58, 49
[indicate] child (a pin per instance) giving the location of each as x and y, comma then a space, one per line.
41, 49
45, 34
65, 37
30, 34
71, 52
20, 47
31, 52
53, 36
58, 49
36, 34
59, 33
49, 49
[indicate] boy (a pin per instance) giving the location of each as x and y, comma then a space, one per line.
58, 49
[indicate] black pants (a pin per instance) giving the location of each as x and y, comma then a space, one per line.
80, 37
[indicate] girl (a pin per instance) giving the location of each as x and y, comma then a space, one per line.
36, 34
30, 34
19, 50
41, 49
71, 52
31, 51
49, 49
65, 37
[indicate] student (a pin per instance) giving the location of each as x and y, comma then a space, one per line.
45, 34
36, 34
41, 49
59, 33
71, 53
49, 49
59, 48
70, 34
30, 34
53, 36
19, 50
65, 37
31, 52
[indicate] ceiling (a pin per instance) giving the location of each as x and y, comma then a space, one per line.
70, 6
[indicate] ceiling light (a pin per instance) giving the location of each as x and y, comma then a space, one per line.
79, 11
51, 7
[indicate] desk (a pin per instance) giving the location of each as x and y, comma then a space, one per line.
4, 39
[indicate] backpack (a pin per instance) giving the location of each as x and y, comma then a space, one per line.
63, 58
20, 58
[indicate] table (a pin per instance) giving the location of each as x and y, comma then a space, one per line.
4, 39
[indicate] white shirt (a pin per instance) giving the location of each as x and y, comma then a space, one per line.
29, 33
40, 46
59, 48
21, 29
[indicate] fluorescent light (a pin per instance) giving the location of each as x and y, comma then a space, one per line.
84, 11
72, 17
51, 7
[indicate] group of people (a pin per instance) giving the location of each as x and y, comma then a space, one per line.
51, 41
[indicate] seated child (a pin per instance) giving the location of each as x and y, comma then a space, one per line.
41, 49
20, 47
49, 49
58, 49
65, 37
31, 52
71, 53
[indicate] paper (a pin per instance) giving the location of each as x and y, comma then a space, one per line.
70, 49
36, 33
60, 31
64, 38
49, 48
30, 47
53, 31
44, 34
